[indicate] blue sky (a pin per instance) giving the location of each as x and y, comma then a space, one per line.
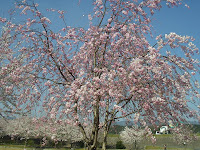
180, 19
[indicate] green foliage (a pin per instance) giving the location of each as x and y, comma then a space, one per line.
120, 145
30, 142
196, 128
116, 129
79, 144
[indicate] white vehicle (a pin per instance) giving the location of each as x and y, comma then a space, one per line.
157, 132
164, 130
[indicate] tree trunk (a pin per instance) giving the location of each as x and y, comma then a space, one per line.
135, 144
93, 147
105, 133
95, 129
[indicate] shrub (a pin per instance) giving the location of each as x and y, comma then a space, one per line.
120, 145
30, 142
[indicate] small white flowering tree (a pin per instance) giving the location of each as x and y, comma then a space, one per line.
2, 126
27, 128
22, 128
132, 136
60, 131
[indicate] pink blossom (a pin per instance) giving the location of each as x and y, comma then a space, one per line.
187, 6
3, 19
21, 6
99, 2
125, 12
43, 19
146, 106
68, 104
48, 83
109, 20
117, 107
89, 111
102, 104
36, 4
61, 12
89, 17
25, 9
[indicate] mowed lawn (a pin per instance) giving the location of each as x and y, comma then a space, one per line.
113, 138
21, 147
15, 147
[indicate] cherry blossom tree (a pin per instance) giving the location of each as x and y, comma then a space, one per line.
132, 136
94, 76
7, 89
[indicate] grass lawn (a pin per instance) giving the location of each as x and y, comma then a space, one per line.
21, 147
113, 135
161, 148
15, 147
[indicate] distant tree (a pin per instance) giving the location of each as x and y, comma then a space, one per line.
132, 136
21, 127
116, 129
26, 128
3, 123
196, 128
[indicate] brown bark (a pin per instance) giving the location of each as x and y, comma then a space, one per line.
95, 129
105, 134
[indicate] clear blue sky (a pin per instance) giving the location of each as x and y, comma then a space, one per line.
180, 19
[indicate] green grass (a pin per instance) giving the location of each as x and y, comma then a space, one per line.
162, 135
58, 149
2, 148
161, 148
153, 147
15, 147
113, 135
197, 134
21, 147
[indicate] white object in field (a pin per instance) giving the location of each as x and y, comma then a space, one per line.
157, 132
164, 130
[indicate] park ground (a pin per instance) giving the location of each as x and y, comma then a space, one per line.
113, 138
17, 147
